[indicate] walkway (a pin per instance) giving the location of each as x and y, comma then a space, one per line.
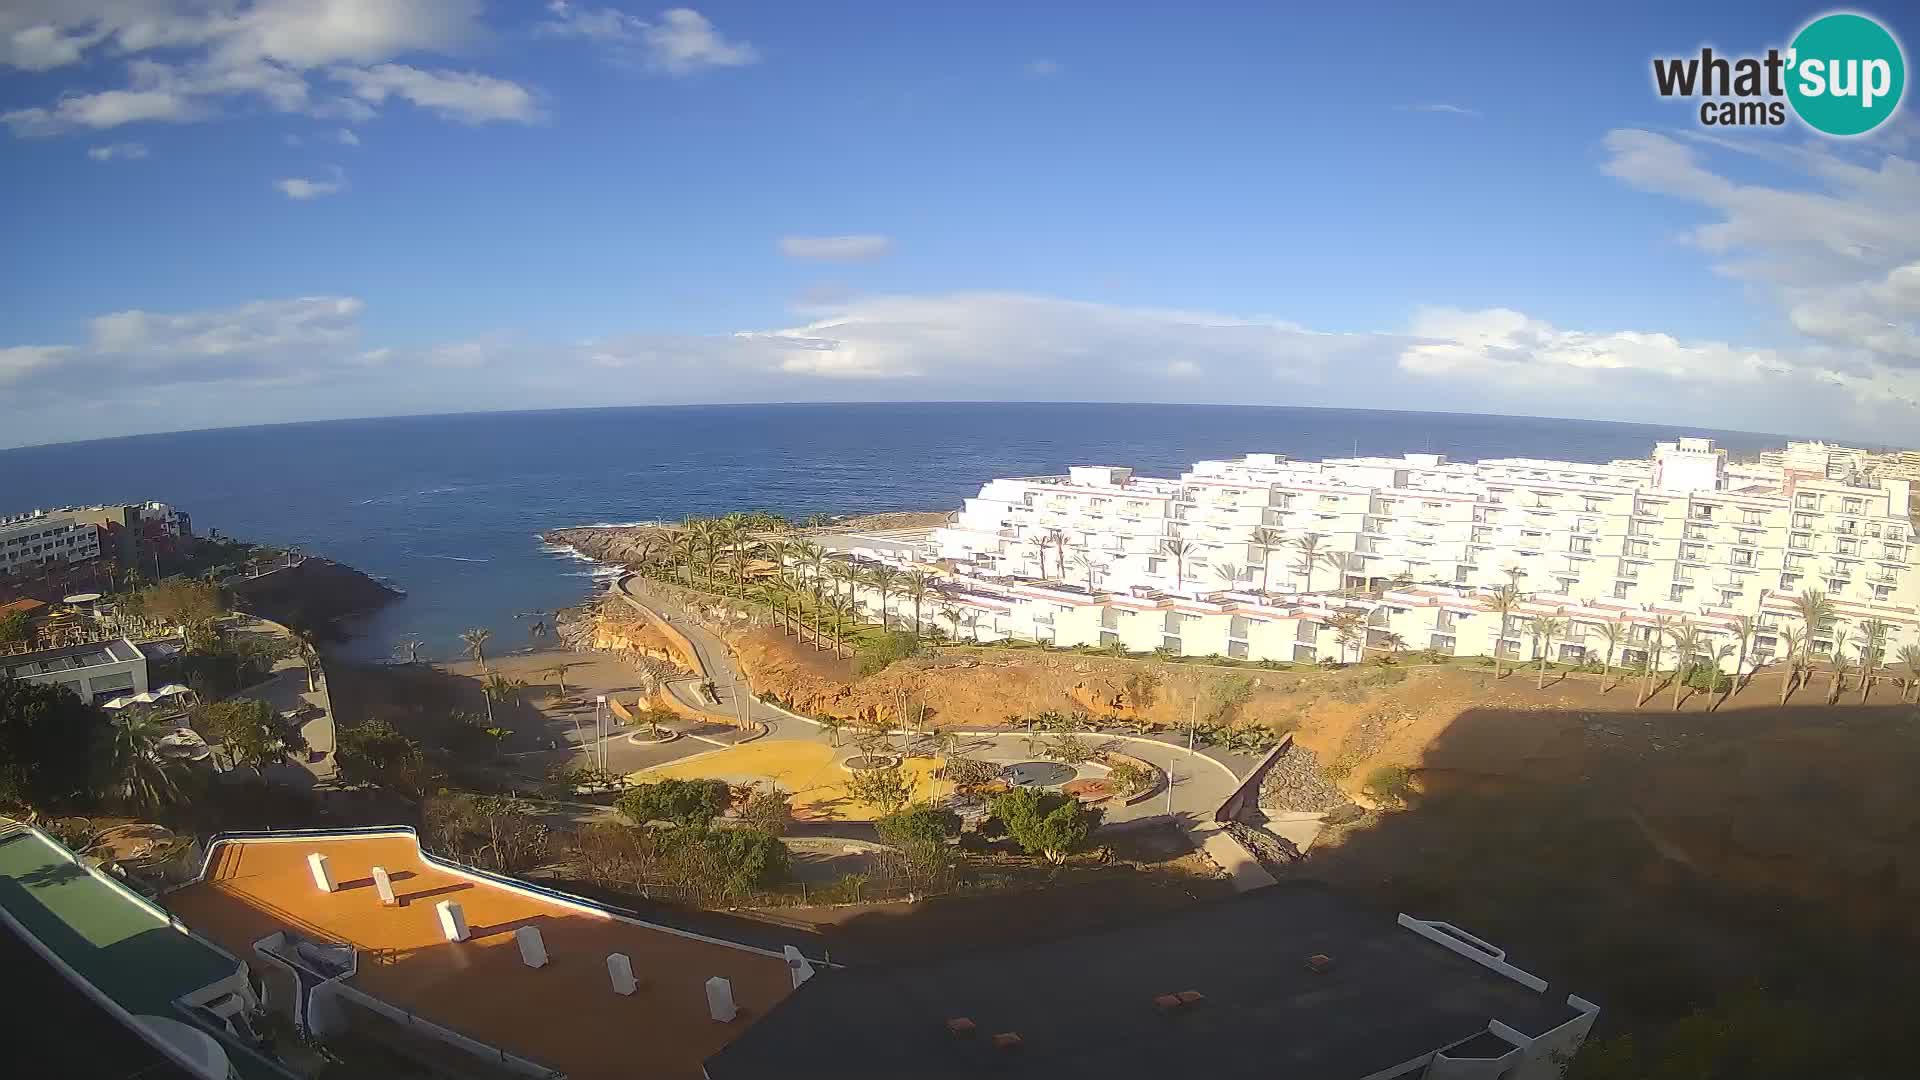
1201, 779
285, 691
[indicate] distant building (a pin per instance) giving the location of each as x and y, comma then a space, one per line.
32, 544
96, 671
139, 530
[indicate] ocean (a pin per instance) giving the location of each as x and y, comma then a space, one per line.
447, 507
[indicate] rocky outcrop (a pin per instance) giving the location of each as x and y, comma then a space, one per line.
623, 544
312, 594
1296, 783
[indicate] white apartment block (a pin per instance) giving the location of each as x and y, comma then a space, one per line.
1417, 541
30, 542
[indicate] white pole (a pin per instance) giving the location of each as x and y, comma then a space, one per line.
599, 728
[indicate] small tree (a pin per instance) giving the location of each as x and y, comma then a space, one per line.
249, 733
887, 789
768, 809
46, 739
1047, 824
921, 823
683, 802
374, 752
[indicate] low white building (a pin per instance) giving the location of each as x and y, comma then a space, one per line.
96, 671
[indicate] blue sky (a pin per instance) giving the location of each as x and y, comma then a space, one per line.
237, 212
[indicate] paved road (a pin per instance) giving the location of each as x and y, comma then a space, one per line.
1201, 779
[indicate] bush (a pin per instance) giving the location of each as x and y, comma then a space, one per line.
884, 649
1047, 824
888, 788
1708, 678
1129, 778
922, 823
1069, 749
968, 772
493, 832
373, 752
768, 809
683, 802
1390, 782
734, 861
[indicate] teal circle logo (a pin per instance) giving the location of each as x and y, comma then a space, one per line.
1846, 74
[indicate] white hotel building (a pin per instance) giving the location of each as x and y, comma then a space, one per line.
30, 543
1418, 540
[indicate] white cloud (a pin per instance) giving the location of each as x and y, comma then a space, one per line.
234, 51
680, 42
1443, 108
346, 137
107, 109
466, 96
123, 151
849, 248
1837, 245
1043, 67
302, 189
972, 346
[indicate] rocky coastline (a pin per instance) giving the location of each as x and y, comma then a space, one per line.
622, 544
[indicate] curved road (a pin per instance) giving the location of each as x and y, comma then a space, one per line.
1200, 780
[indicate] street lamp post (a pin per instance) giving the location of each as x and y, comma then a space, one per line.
599, 729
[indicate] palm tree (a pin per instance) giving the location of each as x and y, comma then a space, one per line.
1308, 545
1084, 560
1179, 549
1815, 610
1795, 655
1040, 542
499, 688
136, 774
1613, 634
475, 641
1743, 634
644, 551
1686, 648
1910, 656
1228, 573
682, 547
1266, 540
915, 587
883, 578
411, 646
1059, 540
1336, 561
1841, 662
843, 573
972, 619
1349, 629
1657, 638
1546, 629
1872, 636
952, 615
559, 672
1394, 644
842, 611
309, 655
1502, 603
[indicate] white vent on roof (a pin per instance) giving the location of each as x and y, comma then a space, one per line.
620, 971
720, 1000
533, 949
800, 966
453, 920
383, 884
322, 873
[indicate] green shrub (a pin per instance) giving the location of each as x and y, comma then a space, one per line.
683, 802
882, 650
1708, 678
1129, 778
1046, 823
732, 861
1391, 782
922, 823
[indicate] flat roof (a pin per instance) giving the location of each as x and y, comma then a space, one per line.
112, 937
565, 1015
1084, 1006
57, 1030
71, 658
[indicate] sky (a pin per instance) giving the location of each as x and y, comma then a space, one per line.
227, 212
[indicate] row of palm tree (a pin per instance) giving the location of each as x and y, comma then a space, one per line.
1693, 646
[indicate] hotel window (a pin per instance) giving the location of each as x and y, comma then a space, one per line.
1580, 545
1835, 584
1894, 552
1803, 521
1753, 517
1703, 513
1883, 592
1677, 593
1593, 504
1695, 532
1681, 573
1690, 551
1586, 525
1849, 547
1637, 548
1742, 558
1852, 506
1807, 502
1800, 543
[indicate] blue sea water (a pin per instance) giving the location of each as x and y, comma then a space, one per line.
446, 507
